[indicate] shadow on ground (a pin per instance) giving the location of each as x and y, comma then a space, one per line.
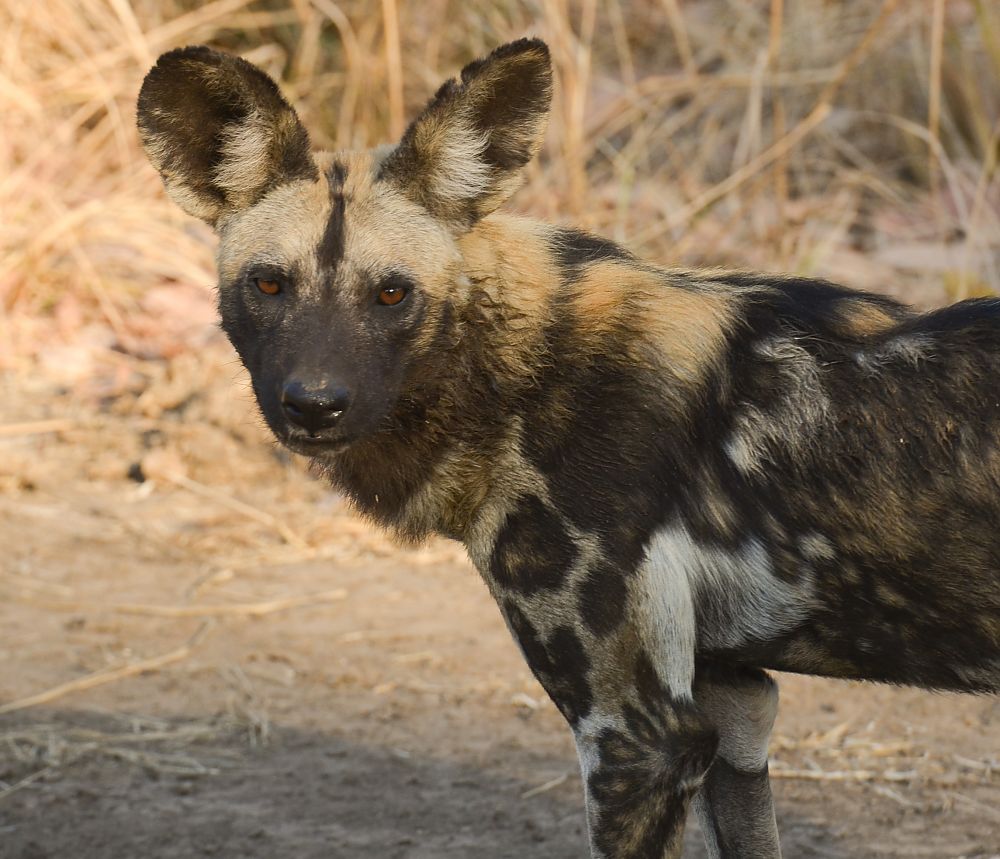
303, 795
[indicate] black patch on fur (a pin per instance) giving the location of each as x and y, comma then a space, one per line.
603, 596
976, 319
532, 551
812, 300
574, 250
597, 422
561, 664
621, 463
445, 337
331, 247
647, 682
913, 414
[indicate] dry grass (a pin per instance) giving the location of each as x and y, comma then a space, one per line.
708, 132
42, 751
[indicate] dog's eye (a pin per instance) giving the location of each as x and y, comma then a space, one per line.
268, 287
391, 294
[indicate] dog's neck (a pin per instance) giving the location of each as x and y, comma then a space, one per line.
449, 446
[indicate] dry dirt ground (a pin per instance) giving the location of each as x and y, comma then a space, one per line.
204, 653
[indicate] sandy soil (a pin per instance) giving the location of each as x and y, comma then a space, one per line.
316, 691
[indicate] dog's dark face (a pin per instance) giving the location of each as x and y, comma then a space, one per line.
327, 290
339, 273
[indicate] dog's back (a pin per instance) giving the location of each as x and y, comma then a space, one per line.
861, 452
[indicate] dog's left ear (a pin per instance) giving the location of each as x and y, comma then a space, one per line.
463, 155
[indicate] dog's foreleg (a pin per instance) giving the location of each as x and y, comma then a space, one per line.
734, 805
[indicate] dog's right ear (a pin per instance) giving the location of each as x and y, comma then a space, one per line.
219, 132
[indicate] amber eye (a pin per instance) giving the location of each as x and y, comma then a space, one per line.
268, 287
391, 295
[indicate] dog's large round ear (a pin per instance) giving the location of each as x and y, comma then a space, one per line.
219, 132
463, 155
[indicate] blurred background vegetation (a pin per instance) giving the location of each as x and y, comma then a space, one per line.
852, 140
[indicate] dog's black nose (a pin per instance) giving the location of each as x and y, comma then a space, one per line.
314, 406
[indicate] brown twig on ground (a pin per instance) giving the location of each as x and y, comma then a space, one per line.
252, 609
841, 775
110, 675
60, 746
24, 782
547, 786
36, 427
251, 512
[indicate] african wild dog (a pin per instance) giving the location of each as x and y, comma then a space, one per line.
669, 480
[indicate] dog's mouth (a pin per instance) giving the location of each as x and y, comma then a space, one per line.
314, 444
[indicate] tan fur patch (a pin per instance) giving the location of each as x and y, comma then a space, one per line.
691, 328
507, 259
686, 327
261, 234
863, 319
600, 298
384, 227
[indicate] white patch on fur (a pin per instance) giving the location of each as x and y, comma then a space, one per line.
195, 204
669, 596
246, 157
803, 408
912, 350
815, 547
585, 734
744, 715
742, 453
737, 591
701, 808
459, 171
908, 348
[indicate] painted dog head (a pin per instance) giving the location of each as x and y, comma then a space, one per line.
338, 272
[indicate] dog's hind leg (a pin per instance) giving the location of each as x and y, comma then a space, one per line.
734, 804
